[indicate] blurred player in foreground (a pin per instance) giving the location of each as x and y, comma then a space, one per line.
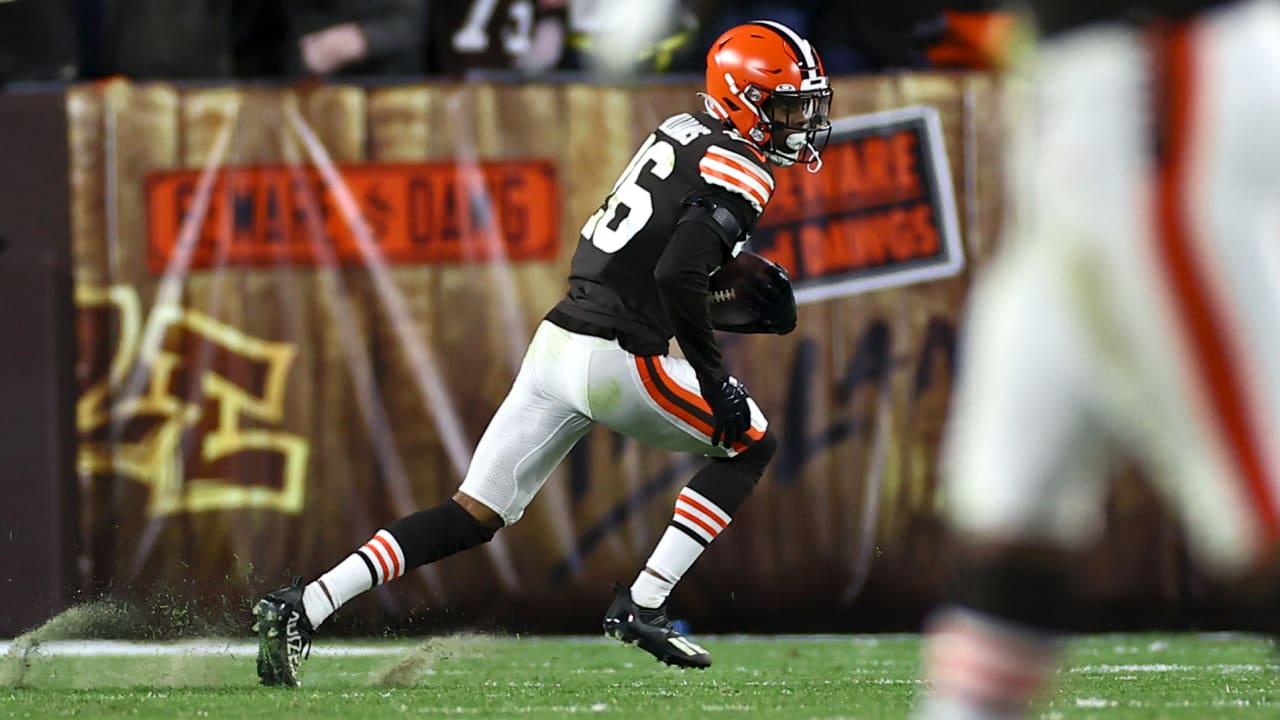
1136, 301
641, 275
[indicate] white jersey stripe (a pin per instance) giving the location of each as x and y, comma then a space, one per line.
737, 173
735, 159
756, 201
721, 516
718, 173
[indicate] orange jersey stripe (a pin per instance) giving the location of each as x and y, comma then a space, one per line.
1211, 348
651, 388
742, 165
699, 402
761, 200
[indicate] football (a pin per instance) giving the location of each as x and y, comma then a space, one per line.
751, 294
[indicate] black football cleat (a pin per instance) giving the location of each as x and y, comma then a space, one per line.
651, 631
284, 635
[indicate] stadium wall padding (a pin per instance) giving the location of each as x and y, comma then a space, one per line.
37, 347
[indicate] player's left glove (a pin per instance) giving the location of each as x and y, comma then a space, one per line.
729, 406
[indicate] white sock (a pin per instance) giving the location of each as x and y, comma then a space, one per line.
378, 561
672, 558
695, 522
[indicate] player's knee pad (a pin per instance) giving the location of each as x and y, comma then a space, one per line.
438, 532
728, 482
756, 458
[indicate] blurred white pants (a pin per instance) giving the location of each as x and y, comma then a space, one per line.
1135, 301
568, 383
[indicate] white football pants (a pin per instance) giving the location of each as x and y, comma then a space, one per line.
1137, 298
568, 383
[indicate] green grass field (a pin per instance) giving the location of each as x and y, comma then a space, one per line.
1109, 677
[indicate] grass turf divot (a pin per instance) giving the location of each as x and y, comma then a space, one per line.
87, 620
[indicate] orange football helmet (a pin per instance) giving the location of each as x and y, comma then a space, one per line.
768, 83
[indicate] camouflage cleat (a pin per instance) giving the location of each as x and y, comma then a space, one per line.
284, 635
652, 631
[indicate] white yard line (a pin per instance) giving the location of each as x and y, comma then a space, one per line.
120, 648
1166, 668
247, 648
243, 648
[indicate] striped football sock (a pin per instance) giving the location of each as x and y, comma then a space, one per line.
378, 561
977, 666
695, 523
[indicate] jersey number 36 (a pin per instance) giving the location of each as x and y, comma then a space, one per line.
630, 205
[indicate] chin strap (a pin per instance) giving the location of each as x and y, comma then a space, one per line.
815, 164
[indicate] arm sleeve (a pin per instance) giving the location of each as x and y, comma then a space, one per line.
683, 276
397, 30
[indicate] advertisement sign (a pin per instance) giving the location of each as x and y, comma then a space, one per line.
881, 213
421, 213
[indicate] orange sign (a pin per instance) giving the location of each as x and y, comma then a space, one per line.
879, 214
440, 212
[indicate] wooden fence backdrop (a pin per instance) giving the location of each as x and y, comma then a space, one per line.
242, 422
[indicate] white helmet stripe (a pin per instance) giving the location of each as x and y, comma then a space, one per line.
806, 51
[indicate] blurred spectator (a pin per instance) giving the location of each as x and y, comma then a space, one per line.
550, 38
198, 39
259, 29
89, 18
354, 37
37, 41
161, 39
973, 39
858, 37
622, 37
720, 15
470, 35
861, 37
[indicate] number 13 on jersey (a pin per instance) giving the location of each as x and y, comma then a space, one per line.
630, 205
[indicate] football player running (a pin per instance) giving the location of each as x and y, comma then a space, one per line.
640, 276
1136, 301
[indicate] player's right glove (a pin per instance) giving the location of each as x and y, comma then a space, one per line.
728, 401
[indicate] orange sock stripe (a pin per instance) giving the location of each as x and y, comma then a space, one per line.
957, 672
703, 508
697, 521
395, 561
373, 550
